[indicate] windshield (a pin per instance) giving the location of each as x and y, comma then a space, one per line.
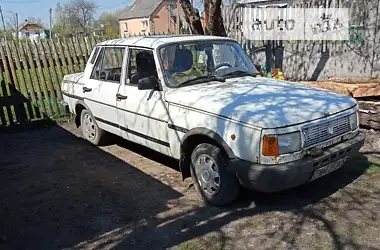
195, 62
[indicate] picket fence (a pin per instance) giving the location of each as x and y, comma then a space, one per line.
31, 74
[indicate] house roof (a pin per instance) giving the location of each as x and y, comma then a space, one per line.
140, 8
22, 26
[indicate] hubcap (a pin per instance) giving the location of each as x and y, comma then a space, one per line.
208, 175
89, 129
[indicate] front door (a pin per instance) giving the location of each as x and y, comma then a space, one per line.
143, 114
101, 89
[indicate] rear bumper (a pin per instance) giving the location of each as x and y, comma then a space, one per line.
273, 178
65, 105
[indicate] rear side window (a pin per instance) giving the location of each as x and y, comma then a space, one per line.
108, 65
95, 55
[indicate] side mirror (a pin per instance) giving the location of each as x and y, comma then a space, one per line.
150, 82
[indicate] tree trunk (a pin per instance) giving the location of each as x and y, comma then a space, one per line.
192, 17
215, 24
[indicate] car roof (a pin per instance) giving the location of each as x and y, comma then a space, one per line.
158, 40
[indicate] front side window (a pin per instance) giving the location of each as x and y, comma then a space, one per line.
109, 65
185, 62
141, 65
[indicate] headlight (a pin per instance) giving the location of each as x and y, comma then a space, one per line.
354, 121
274, 145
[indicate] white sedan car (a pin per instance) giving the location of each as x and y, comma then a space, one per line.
199, 99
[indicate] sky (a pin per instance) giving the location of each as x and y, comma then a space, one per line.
40, 8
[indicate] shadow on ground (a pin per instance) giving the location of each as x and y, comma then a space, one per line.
58, 191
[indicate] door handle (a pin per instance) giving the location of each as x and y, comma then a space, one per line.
121, 97
85, 89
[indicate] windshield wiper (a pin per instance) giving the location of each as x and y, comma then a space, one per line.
239, 73
203, 79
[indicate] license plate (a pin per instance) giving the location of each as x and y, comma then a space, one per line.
328, 169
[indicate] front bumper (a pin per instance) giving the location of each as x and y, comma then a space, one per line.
273, 178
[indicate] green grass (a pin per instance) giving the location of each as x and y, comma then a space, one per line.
210, 242
374, 168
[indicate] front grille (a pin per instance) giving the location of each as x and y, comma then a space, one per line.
325, 131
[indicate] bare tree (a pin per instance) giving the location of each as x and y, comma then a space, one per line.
108, 21
81, 14
192, 17
214, 19
214, 22
12, 23
77, 16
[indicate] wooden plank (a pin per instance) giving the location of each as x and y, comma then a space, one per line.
65, 48
58, 66
28, 81
87, 46
79, 52
6, 77
3, 94
52, 69
20, 111
70, 46
23, 88
35, 82
41, 75
93, 42
12, 66
369, 114
58, 47
51, 97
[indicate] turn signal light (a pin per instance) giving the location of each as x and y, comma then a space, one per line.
270, 145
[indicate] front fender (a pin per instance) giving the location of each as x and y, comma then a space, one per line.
210, 134
191, 139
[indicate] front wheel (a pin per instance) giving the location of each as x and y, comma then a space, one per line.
209, 172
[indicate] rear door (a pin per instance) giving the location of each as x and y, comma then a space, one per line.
103, 85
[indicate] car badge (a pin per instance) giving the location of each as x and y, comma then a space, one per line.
330, 129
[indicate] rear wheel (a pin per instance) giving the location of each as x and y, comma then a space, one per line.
209, 172
90, 129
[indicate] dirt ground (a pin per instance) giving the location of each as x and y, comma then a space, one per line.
59, 192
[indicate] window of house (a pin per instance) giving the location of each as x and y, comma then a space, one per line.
141, 65
109, 65
27, 34
171, 10
125, 27
144, 25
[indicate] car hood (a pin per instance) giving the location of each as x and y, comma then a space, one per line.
259, 101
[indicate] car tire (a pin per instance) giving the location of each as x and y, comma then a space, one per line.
90, 129
211, 179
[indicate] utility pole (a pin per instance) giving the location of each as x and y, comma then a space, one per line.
51, 21
178, 18
17, 28
2, 19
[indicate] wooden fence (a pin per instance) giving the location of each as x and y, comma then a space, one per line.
31, 74
316, 60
